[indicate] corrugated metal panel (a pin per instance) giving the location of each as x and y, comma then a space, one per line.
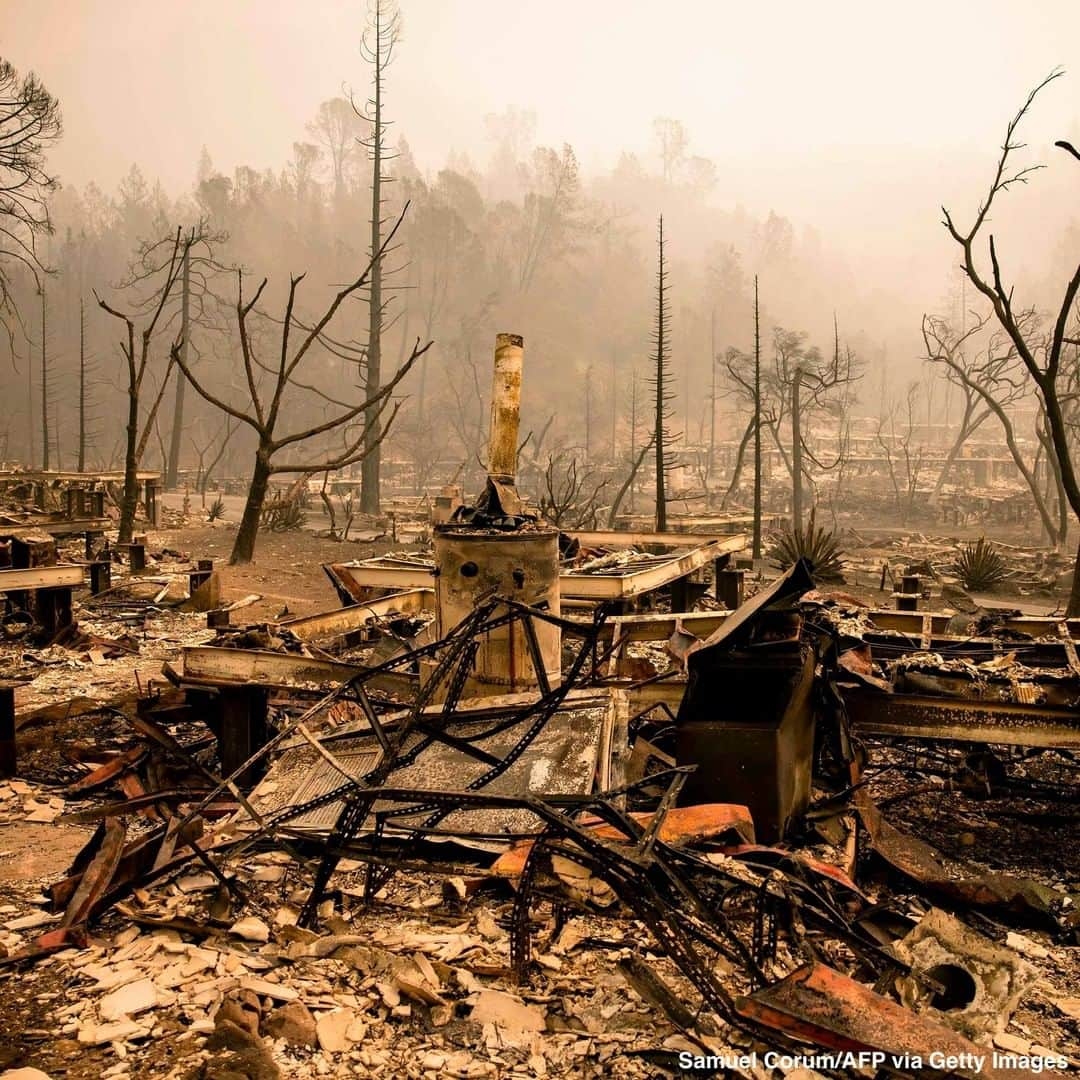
324, 778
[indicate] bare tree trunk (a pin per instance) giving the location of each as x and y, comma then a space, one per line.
244, 546
757, 425
627, 483
1073, 610
82, 385
130, 499
711, 466
328, 504
31, 435
968, 427
205, 479
44, 390
661, 380
1029, 477
370, 466
740, 458
796, 451
588, 416
173, 463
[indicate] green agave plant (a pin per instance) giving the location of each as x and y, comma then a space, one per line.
980, 566
819, 546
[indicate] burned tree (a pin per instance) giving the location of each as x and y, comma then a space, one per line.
191, 303
628, 483
991, 380
570, 497
137, 358
29, 124
661, 381
378, 48
266, 410
46, 363
86, 405
1043, 353
756, 551
899, 447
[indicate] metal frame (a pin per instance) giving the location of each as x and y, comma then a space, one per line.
61, 576
920, 716
346, 619
212, 666
573, 585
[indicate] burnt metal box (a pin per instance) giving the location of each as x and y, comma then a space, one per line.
747, 723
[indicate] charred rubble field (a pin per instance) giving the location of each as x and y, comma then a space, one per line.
311, 865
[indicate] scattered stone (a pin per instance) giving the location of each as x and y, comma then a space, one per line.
97, 1034
292, 1022
241, 1008
1011, 1044
1026, 946
31, 921
196, 883
506, 1011
129, 1000
487, 926
266, 988
1069, 1006
251, 929
332, 1029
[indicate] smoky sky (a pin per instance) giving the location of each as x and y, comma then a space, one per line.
854, 118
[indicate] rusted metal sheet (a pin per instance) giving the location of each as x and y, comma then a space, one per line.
106, 773
97, 876
775, 856
52, 941
822, 1006
681, 826
925, 717
952, 877
792, 583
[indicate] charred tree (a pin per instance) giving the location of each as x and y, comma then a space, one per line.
661, 382
173, 462
1041, 353
378, 48
757, 425
81, 461
44, 387
29, 124
137, 358
264, 412
991, 376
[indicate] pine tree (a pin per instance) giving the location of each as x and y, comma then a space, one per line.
757, 425
378, 48
661, 382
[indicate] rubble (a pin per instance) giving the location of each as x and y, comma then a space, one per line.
467, 832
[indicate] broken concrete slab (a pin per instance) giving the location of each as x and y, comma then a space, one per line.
982, 983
